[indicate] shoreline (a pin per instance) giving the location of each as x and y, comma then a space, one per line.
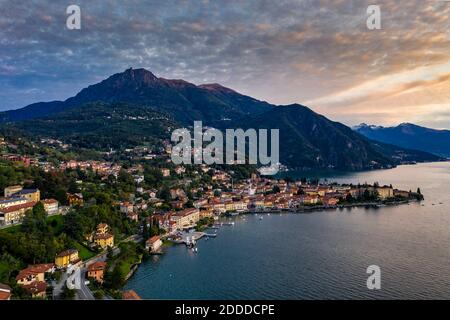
305, 210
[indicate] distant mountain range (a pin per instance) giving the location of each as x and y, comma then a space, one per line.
135, 106
411, 136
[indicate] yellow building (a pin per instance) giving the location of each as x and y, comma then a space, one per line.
385, 192
186, 218
67, 257
104, 240
34, 273
14, 214
32, 195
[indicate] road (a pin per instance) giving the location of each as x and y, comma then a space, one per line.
84, 293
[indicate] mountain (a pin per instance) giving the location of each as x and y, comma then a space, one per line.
185, 101
135, 106
310, 140
411, 136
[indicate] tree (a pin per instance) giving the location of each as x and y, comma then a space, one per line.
74, 226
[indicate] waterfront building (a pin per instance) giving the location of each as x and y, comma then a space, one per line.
186, 218
385, 192
153, 244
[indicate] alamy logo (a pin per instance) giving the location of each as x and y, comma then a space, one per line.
374, 280
208, 146
73, 21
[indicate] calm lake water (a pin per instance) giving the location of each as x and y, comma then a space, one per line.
322, 255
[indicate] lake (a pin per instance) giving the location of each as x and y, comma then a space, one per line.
322, 255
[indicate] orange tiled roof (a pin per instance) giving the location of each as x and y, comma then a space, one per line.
18, 207
34, 270
67, 252
96, 266
103, 236
36, 287
5, 295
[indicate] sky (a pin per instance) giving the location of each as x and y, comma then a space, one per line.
318, 53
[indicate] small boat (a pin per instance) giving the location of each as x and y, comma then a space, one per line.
260, 218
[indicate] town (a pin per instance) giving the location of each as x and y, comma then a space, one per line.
101, 217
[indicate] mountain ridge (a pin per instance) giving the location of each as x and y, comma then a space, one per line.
124, 107
410, 135
140, 86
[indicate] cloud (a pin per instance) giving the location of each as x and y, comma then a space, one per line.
283, 51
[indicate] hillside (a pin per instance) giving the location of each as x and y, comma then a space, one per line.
309, 140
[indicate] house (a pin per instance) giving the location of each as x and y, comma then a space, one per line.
165, 172
37, 289
34, 273
310, 199
104, 240
186, 218
126, 207
330, 201
200, 203
5, 292
133, 216
153, 244
240, 206
75, 199
102, 228
14, 214
96, 271
206, 211
51, 206
218, 206
67, 257
130, 295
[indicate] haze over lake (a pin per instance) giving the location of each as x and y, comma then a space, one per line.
322, 255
